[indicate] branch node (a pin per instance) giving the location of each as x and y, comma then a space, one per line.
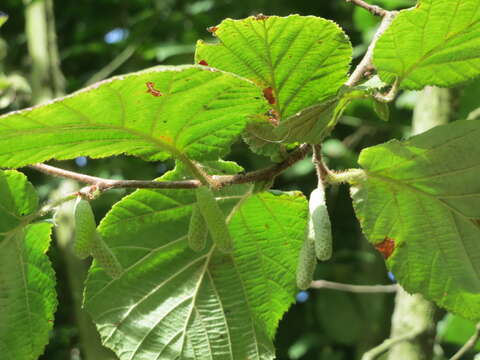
373, 9
366, 65
392, 93
322, 170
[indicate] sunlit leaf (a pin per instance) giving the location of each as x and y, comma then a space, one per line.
435, 43
172, 302
423, 197
27, 282
298, 61
185, 111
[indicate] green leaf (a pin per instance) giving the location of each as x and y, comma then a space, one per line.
299, 61
436, 43
172, 302
3, 18
424, 195
27, 282
456, 330
468, 103
382, 110
198, 115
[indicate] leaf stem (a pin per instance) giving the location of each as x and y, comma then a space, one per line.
392, 93
198, 172
350, 176
103, 184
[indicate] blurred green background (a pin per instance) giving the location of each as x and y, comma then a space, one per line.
102, 38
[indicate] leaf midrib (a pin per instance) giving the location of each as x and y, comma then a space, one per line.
439, 47
412, 188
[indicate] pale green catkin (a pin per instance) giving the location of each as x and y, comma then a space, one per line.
306, 265
197, 230
105, 257
85, 228
319, 227
214, 218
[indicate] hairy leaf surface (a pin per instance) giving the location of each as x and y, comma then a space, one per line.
435, 43
27, 282
424, 195
188, 111
174, 303
299, 61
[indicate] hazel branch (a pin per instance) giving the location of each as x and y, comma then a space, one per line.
373, 9
366, 65
103, 184
372, 289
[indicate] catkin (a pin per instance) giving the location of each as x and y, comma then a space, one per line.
306, 265
105, 257
214, 218
85, 228
319, 229
197, 230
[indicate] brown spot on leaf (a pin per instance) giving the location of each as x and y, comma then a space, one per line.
386, 247
261, 17
268, 93
151, 89
203, 62
274, 117
166, 139
212, 29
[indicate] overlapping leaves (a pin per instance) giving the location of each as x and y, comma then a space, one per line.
27, 285
435, 43
299, 61
189, 112
424, 195
174, 303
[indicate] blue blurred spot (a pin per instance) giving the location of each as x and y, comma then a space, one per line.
116, 35
81, 161
302, 296
161, 168
391, 276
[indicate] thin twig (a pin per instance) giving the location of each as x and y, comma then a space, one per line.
374, 9
223, 180
469, 345
387, 345
51, 206
371, 289
392, 93
367, 62
320, 167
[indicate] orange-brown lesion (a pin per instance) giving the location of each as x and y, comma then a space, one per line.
386, 247
166, 139
151, 89
269, 95
212, 29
